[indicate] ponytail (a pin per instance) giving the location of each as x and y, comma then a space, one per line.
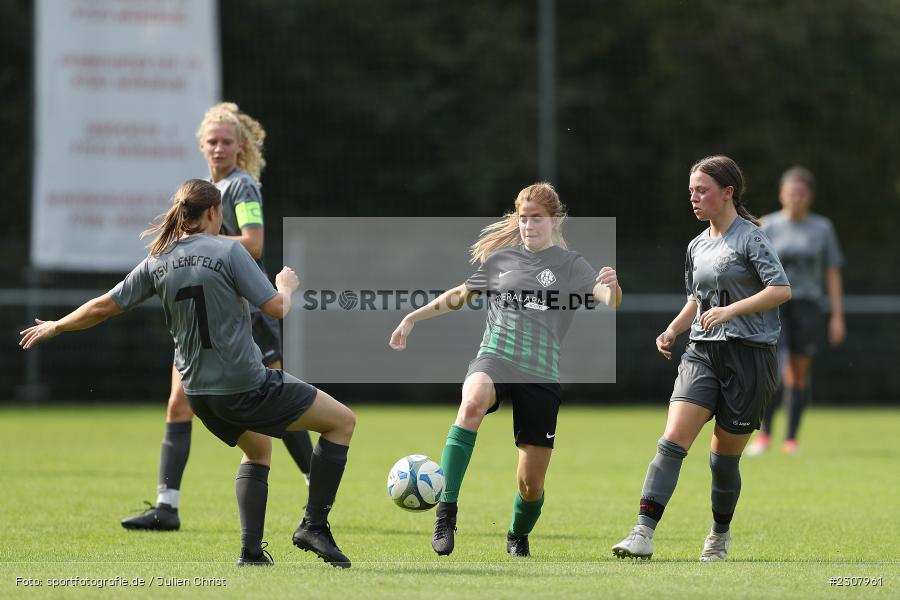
188, 204
743, 212
502, 234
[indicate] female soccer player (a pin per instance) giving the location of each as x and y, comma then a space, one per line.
231, 143
729, 369
519, 354
205, 282
809, 250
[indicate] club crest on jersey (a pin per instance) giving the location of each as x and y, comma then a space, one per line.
546, 278
723, 262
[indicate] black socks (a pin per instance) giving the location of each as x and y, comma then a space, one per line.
299, 446
252, 490
326, 470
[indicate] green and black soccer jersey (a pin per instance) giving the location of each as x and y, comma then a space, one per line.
204, 283
806, 248
531, 298
731, 267
241, 203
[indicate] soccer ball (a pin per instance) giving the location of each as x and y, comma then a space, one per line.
415, 483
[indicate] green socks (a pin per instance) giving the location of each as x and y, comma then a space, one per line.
525, 515
455, 460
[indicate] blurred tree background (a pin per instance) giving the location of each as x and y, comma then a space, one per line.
430, 109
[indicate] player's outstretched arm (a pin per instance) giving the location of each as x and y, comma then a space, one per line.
92, 312
452, 299
286, 282
607, 288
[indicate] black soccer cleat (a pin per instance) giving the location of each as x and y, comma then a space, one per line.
263, 559
161, 517
444, 528
517, 545
318, 539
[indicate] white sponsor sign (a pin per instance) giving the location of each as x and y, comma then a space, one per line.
121, 86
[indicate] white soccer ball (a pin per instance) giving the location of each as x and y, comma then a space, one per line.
415, 483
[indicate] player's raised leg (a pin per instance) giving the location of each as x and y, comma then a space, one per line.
173, 456
684, 423
530, 473
478, 396
252, 490
336, 423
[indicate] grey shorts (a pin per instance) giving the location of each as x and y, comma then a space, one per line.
280, 401
733, 380
802, 327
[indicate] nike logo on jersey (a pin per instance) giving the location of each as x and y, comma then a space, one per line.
502, 273
550, 436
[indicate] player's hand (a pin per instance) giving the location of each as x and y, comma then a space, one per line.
287, 279
664, 343
44, 330
607, 276
398, 338
715, 316
837, 330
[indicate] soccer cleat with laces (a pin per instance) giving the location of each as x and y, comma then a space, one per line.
318, 539
638, 544
161, 517
715, 548
442, 541
263, 559
517, 545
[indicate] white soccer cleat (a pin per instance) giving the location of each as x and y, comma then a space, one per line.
759, 445
715, 548
638, 544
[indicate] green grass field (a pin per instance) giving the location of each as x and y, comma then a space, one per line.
70, 475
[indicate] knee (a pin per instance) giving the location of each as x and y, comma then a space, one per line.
349, 425
474, 406
531, 488
260, 454
178, 408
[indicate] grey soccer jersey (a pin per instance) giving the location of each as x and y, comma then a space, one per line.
734, 266
204, 283
531, 298
806, 248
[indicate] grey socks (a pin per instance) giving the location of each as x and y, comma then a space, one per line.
173, 456
662, 476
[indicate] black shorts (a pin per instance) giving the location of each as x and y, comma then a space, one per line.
733, 380
267, 335
535, 404
802, 327
280, 401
